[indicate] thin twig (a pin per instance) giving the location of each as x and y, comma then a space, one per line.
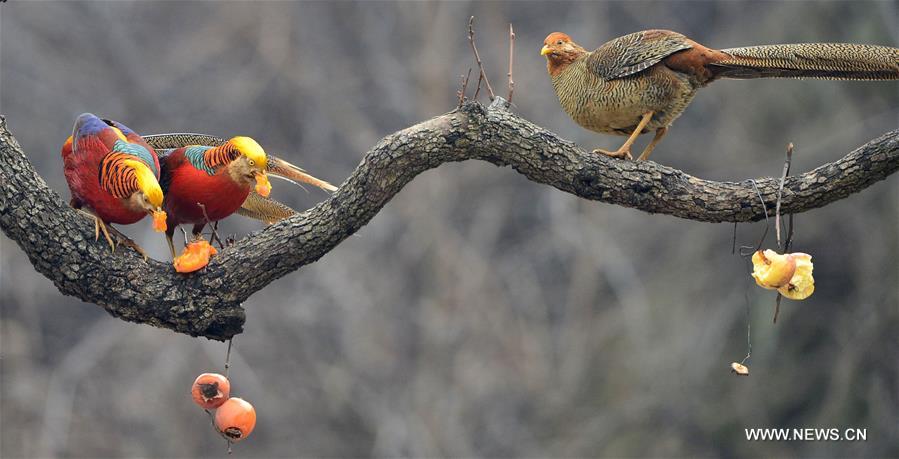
733, 242
786, 246
463, 88
780, 190
748, 328
477, 58
765, 208
477, 90
215, 234
789, 242
777, 306
511, 55
228, 356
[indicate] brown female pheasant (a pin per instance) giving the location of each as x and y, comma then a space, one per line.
643, 81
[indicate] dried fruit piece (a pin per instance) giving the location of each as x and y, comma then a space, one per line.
263, 187
195, 256
159, 218
210, 390
235, 418
802, 284
739, 369
772, 270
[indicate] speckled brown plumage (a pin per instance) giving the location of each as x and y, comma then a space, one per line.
643, 81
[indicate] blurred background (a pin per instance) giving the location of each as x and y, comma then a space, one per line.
478, 314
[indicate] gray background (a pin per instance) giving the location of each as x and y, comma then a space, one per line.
478, 314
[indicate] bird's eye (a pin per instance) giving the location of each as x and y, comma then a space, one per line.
559, 42
251, 162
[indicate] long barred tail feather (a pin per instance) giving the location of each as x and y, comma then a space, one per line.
264, 209
283, 169
833, 61
182, 139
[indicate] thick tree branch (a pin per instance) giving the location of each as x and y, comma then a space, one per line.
59, 242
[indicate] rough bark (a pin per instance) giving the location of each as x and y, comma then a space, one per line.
59, 242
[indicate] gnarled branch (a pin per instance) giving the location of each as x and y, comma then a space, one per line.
60, 245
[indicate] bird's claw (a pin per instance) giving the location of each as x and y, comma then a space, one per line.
125, 241
620, 154
112, 235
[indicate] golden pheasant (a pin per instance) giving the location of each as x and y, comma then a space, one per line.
206, 183
642, 82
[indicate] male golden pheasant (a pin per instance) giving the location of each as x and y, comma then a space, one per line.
112, 174
643, 81
206, 183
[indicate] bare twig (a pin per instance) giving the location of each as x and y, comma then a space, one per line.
780, 190
212, 226
228, 356
511, 55
765, 208
733, 242
477, 58
777, 306
463, 88
748, 328
789, 242
786, 246
477, 89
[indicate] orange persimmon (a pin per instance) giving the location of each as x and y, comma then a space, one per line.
159, 218
195, 256
210, 390
235, 418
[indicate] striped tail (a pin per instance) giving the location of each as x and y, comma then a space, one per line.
182, 139
265, 209
282, 169
832, 61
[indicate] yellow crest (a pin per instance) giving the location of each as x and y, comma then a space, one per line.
251, 149
146, 181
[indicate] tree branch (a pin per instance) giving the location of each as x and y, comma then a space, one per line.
59, 242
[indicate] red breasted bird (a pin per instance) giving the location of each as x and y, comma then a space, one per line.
643, 81
204, 184
113, 176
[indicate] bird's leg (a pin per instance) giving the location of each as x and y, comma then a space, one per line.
625, 150
660, 132
170, 232
127, 242
98, 227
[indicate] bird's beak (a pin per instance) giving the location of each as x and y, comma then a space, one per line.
546, 50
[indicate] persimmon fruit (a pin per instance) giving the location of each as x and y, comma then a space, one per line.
210, 390
235, 419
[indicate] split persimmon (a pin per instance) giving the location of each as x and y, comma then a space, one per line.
210, 390
235, 419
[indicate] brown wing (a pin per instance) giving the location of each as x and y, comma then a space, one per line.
629, 54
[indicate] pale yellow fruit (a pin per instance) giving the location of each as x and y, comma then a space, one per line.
802, 284
772, 270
